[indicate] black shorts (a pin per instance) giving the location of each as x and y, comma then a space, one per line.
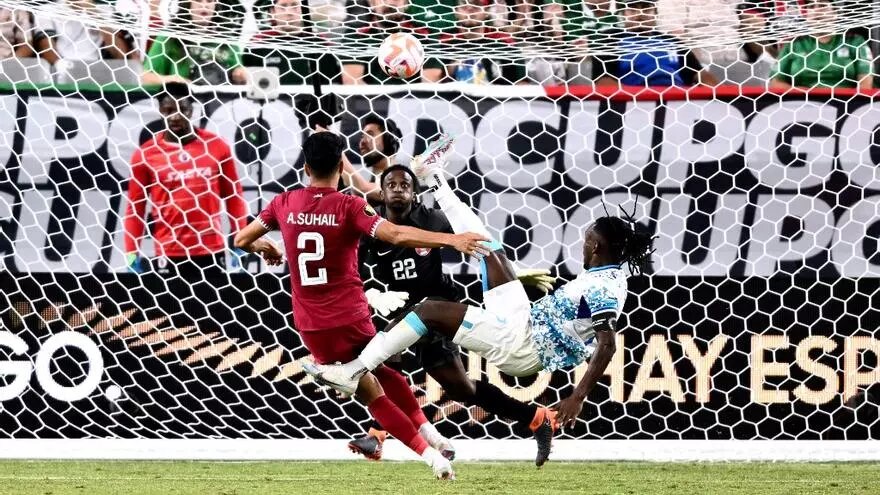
435, 351
192, 268
432, 351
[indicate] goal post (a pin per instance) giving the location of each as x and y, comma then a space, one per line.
752, 336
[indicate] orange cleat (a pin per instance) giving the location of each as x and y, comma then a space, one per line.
544, 427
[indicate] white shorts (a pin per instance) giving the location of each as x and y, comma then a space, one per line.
502, 332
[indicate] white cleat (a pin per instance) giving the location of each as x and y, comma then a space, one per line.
446, 449
434, 159
442, 468
336, 376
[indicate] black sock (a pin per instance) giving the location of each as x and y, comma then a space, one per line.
494, 401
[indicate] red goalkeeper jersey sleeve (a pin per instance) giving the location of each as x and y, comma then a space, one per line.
321, 229
187, 188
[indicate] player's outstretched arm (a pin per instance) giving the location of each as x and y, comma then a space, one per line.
570, 408
250, 239
133, 223
411, 237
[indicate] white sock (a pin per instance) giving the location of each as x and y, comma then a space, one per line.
432, 436
386, 344
461, 217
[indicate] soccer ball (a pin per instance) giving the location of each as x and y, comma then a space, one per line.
401, 55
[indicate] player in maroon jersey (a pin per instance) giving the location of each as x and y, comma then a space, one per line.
321, 229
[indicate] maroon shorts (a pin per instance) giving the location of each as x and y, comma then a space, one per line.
339, 344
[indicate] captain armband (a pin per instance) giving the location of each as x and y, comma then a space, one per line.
605, 322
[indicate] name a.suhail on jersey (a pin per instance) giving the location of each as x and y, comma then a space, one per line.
324, 219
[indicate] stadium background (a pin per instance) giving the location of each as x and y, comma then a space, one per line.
765, 207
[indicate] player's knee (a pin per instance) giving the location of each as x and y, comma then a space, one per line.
425, 309
443, 317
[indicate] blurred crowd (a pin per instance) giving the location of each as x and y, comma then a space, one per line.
607, 43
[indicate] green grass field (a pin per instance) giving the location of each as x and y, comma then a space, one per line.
312, 478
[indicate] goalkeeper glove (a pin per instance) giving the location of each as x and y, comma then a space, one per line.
386, 303
536, 277
133, 263
235, 264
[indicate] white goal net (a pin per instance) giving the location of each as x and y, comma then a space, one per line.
744, 134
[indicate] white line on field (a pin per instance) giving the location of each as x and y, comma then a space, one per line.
269, 477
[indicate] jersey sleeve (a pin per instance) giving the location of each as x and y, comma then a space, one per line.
596, 301
231, 191
23, 27
138, 189
363, 217
269, 216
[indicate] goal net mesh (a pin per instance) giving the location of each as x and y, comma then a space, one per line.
756, 320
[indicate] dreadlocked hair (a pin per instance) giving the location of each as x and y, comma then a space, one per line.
627, 241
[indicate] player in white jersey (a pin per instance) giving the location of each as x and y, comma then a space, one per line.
574, 324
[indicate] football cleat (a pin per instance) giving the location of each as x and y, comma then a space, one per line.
432, 162
336, 376
369, 446
442, 468
446, 449
544, 427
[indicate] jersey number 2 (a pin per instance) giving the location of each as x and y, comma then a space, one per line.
307, 256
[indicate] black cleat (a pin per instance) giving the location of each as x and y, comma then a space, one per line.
368, 446
544, 436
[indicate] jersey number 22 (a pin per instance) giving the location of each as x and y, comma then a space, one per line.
404, 269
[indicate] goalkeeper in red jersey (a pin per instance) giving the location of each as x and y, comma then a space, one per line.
187, 175
321, 229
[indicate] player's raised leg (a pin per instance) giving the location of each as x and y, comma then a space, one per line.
501, 289
429, 167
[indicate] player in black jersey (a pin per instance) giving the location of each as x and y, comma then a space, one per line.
398, 277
